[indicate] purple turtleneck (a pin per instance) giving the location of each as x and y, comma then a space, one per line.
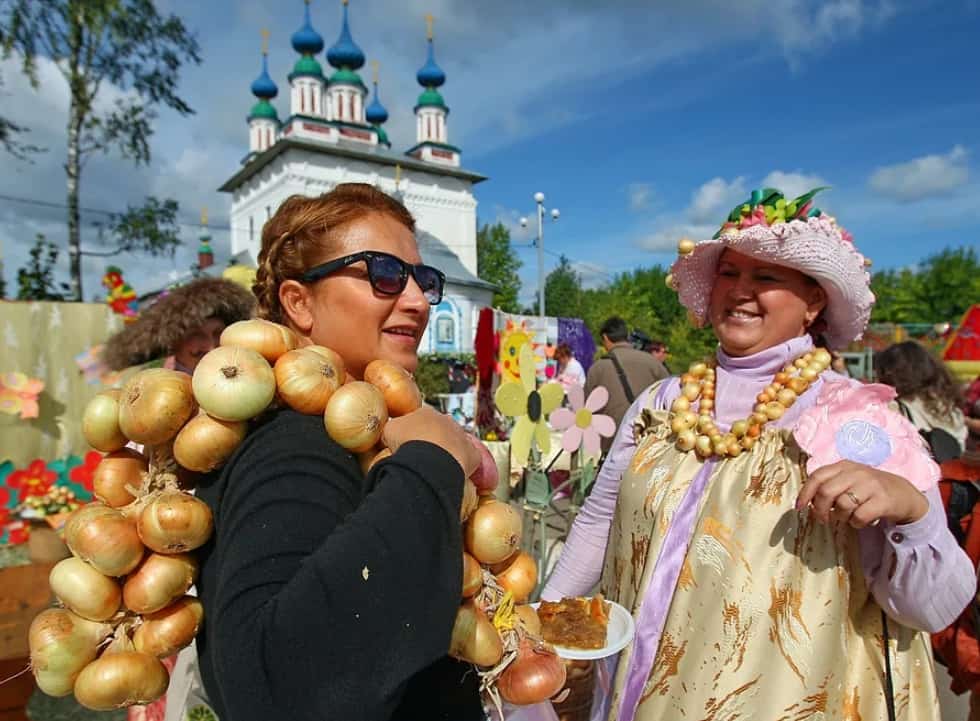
924, 554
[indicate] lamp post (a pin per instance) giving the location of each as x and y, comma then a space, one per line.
539, 242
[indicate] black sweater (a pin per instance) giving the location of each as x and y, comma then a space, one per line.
328, 596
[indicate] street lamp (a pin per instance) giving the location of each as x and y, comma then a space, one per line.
539, 242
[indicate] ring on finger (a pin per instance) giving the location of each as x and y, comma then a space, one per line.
854, 499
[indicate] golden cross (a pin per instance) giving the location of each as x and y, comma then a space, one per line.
204, 216
398, 175
265, 41
428, 25
374, 70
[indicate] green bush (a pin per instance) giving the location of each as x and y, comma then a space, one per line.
432, 374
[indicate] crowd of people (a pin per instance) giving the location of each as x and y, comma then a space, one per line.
776, 529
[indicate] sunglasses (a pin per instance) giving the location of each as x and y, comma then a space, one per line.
388, 274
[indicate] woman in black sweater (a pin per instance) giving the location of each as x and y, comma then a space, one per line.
329, 596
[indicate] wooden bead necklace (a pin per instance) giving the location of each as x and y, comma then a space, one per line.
696, 431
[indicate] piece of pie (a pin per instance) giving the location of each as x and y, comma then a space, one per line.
575, 622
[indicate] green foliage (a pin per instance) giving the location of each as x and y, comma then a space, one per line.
150, 228
432, 373
10, 138
35, 281
941, 288
497, 263
563, 291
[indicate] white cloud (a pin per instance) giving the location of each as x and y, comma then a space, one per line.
640, 196
591, 274
665, 238
713, 198
792, 184
919, 178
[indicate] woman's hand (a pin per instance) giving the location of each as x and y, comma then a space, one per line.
428, 424
861, 495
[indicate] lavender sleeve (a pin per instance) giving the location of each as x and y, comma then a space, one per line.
580, 563
916, 571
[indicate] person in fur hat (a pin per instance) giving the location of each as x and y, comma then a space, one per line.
180, 327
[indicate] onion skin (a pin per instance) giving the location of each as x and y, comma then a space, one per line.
529, 620
100, 422
84, 590
370, 458
62, 644
154, 404
175, 522
402, 395
233, 383
493, 532
159, 581
165, 632
534, 676
307, 377
104, 538
474, 639
486, 476
120, 679
355, 416
472, 576
115, 471
520, 577
268, 339
470, 500
206, 443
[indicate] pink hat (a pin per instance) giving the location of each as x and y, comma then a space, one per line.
792, 234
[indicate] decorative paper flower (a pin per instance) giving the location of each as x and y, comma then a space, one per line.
18, 394
4, 505
854, 423
523, 401
35, 480
581, 423
85, 473
14, 533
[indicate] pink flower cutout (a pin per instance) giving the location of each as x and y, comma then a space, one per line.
581, 423
853, 422
18, 394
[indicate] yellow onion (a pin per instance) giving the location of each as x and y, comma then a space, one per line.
206, 443
159, 581
84, 590
234, 384
266, 338
105, 538
168, 630
175, 522
307, 377
61, 644
520, 577
402, 395
100, 422
474, 639
120, 679
117, 471
472, 576
154, 404
368, 459
356, 415
493, 532
528, 618
471, 500
534, 676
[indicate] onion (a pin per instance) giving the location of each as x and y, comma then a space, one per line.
474, 638
159, 581
175, 522
105, 538
167, 631
470, 500
520, 577
472, 576
155, 403
115, 472
84, 590
486, 476
121, 678
61, 644
100, 422
369, 458
307, 377
266, 338
356, 415
234, 384
206, 443
529, 620
493, 532
402, 395
534, 676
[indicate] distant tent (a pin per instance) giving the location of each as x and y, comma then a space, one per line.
962, 352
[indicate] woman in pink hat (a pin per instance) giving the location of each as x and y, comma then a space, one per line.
767, 521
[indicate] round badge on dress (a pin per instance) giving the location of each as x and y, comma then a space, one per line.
863, 442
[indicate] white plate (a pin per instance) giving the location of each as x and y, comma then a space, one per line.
619, 632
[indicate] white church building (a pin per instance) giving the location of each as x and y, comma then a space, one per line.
332, 135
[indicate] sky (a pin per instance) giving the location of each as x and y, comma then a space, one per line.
641, 121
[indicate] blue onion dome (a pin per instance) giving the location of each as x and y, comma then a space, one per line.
306, 65
430, 75
262, 86
431, 98
345, 53
306, 40
263, 109
376, 113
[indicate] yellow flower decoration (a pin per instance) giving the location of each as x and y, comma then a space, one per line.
529, 405
18, 394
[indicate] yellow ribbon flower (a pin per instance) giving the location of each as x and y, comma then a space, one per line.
522, 400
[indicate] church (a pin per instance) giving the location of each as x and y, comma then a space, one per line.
333, 135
